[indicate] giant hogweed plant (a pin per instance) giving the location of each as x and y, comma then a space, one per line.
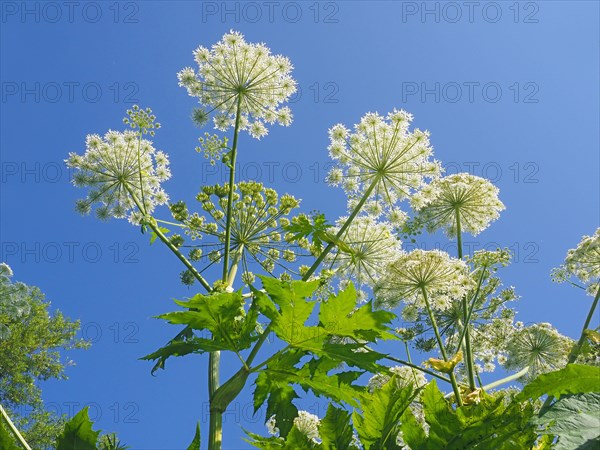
331, 291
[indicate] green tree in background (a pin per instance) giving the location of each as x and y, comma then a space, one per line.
31, 338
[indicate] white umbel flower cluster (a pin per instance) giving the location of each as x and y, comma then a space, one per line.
583, 262
369, 247
381, 154
405, 376
235, 73
473, 199
306, 423
540, 347
422, 276
124, 173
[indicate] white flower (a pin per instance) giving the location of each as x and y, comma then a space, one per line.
308, 425
124, 172
421, 277
235, 76
5, 270
257, 234
382, 153
540, 347
369, 247
271, 426
473, 199
583, 262
405, 376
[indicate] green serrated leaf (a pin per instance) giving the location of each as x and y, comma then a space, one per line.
303, 227
223, 315
265, 443
280, 404
195, 445
575, 419
379, 422
178, 348
412, 431
442, 420
490, 424
78, 434
294, 310
162, 354
335, 429
339, 316
573, 379
316, 376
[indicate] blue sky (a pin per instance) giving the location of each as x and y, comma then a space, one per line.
508, 90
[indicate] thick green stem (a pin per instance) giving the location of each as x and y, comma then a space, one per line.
422, 369
215, 436
508, 379
471, 308
234, 266
441, 345
497, 383
577, 349
232, 161
466, 315
14, 429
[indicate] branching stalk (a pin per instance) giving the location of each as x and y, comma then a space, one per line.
466, 315
442, 347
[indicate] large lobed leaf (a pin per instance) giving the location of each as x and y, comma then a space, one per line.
378, 424
335, 429
575, 419
491, 424
573, 379
222, 314
78, 434
289, 308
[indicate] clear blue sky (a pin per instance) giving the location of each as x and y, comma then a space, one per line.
508, 90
